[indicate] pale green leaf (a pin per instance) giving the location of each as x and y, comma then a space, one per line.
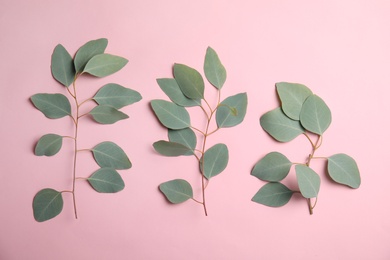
343, 169
116, 96
171, 148
173, 91
102, 65
176, 191
232, 110
273, 167
52, 105
185, 137
87, 51
214, 71
189, 80
315, 115
214, 160
292, 96
273, 194
48, 145
308, 181
108, 154
47, 204
62, 67
171, 115
106, 114
106, 180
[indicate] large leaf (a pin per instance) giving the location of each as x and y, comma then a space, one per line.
279, 126
171, 115
232, 110
273, 194
116, 96
315, 115
102, 65
176, 191
47, 204
173, 91
214, 71
106, 180
107, 115
171, 148
273, 167
108, 154
48, 145
189, 80
343, 169
62, 67
292, 96
87, 51
308, 181
185, 137
52, 105
214, 160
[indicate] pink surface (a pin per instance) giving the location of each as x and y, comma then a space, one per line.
340, 49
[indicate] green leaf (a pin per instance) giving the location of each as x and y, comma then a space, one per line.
173, 91
343, 169
102, 65
107, 115
106, 180
185, 137
232, 110
48, 145
214, 160
171, 115
87, 51
47, 204
279, 126
116, 96
273, 167
62, 67
176, 191
292, 96
308, 181
108, 154
273, 194
171, 148
52, 105
189, 80
213, 69
315, 115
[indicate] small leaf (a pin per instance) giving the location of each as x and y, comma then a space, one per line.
189, 80
273, 167
47, 204
185, 137
213, 69
176, 191
173, 91
279, 126
315, 115
52, 105
107, 115
292, 96
102, 65
62, 67
87, 51
308, 181
48, 145
171, 115
232, 110
214, 160
273, 194
171, 148
116, 96
106, 180
343, 169
108, 154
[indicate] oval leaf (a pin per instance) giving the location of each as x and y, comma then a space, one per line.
279, 126
107, 115
106, 180
47, 204
273, 194
273, 167
185, 137
308, 181
214, 71
343, 169
116, 96
214, 160
171, 115
171, 148
232, 110
52, 105
48, 145
173, 91
108, 154
87, 51
176, 191
62, 67
102, 65
315, 115
189, 80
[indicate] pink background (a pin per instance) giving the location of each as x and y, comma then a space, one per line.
340, 49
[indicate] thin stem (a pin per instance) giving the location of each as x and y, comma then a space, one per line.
315, 203
310, 207
89, 99
83, 150
197, 201
207, 103
319, 157
81, 178
204, 110
75, 148
212, 132
67, 191
70, 93
311, 142
200, 131
83, 115
71, 137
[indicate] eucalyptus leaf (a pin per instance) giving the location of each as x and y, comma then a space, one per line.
107, 115
185, 137
173, 91
273, 194
62, 67
315, 115
116, 96
343, 169
232, 110
48, 145
102, 65
52, 105
106, 180
171, 148
292, 96
47, 204
176, 191
189, 80
87, 51
308, 181
109, 154
273, 167
214, 71
214, 160
171, 115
